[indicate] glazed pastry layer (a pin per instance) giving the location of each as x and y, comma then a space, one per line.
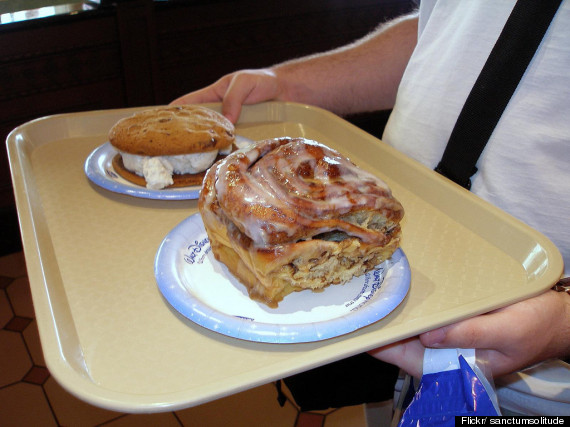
289, 214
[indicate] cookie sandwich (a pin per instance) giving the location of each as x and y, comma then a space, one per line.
170, 146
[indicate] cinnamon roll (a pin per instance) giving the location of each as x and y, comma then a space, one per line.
290, 214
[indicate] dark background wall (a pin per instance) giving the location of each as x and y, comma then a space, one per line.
145, 52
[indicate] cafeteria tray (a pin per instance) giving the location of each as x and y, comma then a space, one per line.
110, 338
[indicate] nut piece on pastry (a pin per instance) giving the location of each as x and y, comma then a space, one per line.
170, 146
289, 214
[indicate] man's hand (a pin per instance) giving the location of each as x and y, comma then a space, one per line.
508, 339
237, 89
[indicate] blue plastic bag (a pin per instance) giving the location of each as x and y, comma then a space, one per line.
451, 386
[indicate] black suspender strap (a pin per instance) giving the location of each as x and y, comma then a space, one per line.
494, 87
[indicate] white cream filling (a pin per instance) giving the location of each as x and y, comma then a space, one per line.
158, 170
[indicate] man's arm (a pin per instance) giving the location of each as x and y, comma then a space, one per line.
362, 76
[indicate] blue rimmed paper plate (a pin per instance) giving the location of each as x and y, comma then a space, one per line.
203, 290
99, 169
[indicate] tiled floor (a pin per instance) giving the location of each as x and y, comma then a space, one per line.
29, 396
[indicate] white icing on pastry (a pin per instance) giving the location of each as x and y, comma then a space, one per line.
286, 190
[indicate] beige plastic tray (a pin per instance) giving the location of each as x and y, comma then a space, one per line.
111, 339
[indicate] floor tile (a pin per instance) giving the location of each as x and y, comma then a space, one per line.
18, 324
14, 359
310, 419
6, 312
379, 414
25, 405
20, 297
5, 281
13, 265
71, 411
353, 416
167, 419
37, 375
32, 338
251, 408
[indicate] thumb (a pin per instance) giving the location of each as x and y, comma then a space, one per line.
248, 87
478, 332
237, 94
231, 108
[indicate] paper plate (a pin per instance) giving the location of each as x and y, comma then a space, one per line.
204, 291
99, 169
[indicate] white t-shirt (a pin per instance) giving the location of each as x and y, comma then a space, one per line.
525, 167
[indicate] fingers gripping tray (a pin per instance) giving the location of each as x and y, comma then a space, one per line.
110, 337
